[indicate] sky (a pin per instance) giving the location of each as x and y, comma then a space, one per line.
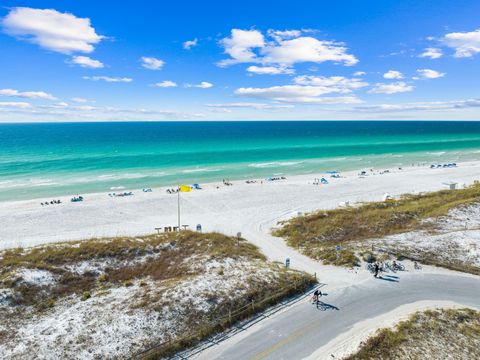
241, 60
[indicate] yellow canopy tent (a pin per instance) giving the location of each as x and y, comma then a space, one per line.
185, 188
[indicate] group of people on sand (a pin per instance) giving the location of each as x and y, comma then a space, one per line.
172, 191
227, 182
52, 202
277, 178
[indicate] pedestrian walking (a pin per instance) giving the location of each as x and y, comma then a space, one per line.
376, 268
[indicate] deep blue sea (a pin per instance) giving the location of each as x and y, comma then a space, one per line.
48, 159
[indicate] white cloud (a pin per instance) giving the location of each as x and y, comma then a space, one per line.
285, 48
166, 84
393, 74
391, 88
87, 62
257, 106
466, 44
202, 85
240, 46
79, 100
422, 106
61, 111
152, 63
307, 49
19, 105
270, 70
108, 79
27, 94
297, 94
187, 45
429, 74
280, 35
359, 73
331, 84
432, 53
52, 30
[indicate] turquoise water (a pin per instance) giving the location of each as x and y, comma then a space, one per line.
44, 160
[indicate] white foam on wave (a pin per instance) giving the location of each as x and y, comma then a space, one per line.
274, 164
188, 171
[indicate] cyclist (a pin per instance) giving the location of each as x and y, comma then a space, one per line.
316, 295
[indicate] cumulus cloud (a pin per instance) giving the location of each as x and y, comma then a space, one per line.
429, 74
187, 45
18, 105
166, 84
240, 46
108, 79
151, 63
27, 94
270, 70
391, 88
331, 84
87, 62
359, 73
296, 94
465, 44
308, 89
393, 74
202, 85
284, 48
432, 53
51, 29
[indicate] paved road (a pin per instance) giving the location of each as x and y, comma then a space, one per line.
302, 329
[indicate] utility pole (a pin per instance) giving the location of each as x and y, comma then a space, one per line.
178, 205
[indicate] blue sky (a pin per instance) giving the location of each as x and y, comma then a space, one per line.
212, 60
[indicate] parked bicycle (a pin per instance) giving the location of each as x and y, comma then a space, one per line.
395, 266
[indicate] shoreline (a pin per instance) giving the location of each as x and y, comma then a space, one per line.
252, 209
55, 185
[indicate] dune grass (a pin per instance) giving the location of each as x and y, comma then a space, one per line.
317, 234
150, 266
438, 334
163, 255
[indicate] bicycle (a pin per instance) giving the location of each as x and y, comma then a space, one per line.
417, 266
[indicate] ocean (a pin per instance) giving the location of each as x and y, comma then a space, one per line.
52, 159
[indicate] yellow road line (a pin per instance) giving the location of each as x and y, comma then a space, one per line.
285, 341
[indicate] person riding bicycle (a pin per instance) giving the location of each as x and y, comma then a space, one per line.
316, 295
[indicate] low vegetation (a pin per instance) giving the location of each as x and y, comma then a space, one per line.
333, 235
125, 295
436, 335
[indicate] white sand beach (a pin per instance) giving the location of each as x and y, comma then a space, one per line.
252, 209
